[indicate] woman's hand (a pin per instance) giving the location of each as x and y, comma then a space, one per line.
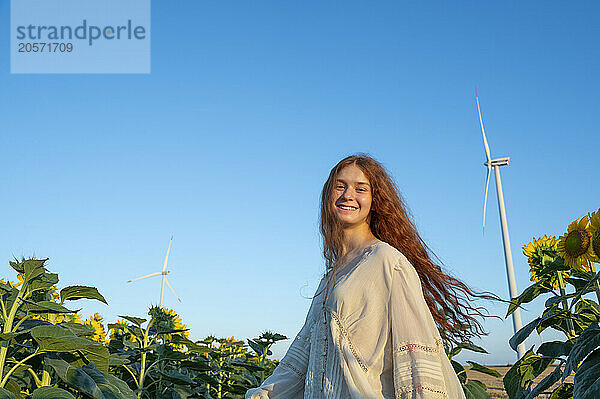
256, 393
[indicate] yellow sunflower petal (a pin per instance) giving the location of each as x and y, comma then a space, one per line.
595, 220
594, 230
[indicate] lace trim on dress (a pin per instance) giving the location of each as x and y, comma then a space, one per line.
296, 358
407, 392
350, 345
405, 346
417, 367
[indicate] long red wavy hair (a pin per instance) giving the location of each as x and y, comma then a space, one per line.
446, 296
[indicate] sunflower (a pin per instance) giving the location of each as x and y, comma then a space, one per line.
54, 318
594, 230
575, 246
541, 252
177, 322
7, 282
68, 317
235, 348
117, 331
95, 322
167, 320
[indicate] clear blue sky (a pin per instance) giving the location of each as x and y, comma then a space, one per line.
226, 145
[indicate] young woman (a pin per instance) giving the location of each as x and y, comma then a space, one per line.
372, 327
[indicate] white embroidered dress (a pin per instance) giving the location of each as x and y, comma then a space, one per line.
374, 337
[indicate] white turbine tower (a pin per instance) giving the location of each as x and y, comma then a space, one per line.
163, 273
512, 285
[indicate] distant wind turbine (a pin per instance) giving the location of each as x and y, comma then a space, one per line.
512, 285
163, 273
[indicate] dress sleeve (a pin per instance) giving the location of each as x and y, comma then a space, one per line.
287, 380
417, 347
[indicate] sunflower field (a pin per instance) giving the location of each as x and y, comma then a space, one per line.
47, 350
564, 270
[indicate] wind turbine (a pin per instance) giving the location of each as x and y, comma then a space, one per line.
512, 285
163, 273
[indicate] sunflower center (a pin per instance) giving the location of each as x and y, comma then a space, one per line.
577, 243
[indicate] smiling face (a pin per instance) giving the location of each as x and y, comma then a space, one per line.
351, 196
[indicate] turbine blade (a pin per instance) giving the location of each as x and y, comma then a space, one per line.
146, 276
485, 143
167, 257
487, 182
172, 289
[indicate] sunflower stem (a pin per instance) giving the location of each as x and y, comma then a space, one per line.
561, 285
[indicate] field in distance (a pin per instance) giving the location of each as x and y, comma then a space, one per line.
496, 386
